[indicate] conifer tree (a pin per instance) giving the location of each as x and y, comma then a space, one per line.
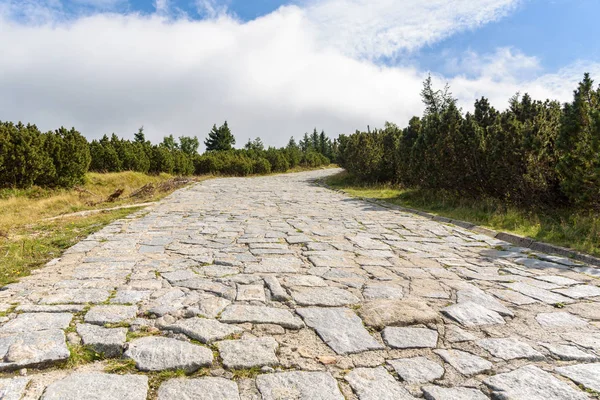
220, 139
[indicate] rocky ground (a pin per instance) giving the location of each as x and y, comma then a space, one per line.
276, 288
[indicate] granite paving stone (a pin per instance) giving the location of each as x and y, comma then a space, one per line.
280, 288
340, 328
409, 338
28, 322
299, 385
376, 384
531, 382
417, 369
32, 349
473, 314
204, 330
587, 375
261, 315
560, 319
98, 386
111, 314
432, 392
465, 363
206, 388
108, 341
153, 353
509, 349
248, 353
323, 296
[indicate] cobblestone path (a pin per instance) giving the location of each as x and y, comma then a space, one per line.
276, 288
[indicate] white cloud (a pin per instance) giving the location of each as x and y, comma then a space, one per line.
211, 8
372, 29
272, 77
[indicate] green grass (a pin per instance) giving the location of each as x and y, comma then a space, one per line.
30, 247
576, 230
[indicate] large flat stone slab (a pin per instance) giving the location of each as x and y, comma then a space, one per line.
543, 295
154, 353
76, 296
417, 369
531, 383
455, 393
275, 265
384, 312
210, 306
509, 349
235, 314
587, 375
561, 319
466, 363
28, 322
110, 314
203, 329
126, 296
376, 384
206, 388
569, 353
98, 386
340, 328
248, 353
473, 314
108, 341
32, 349
298, 385
580, 291
323, 296
476, 295
409, 338
250, 293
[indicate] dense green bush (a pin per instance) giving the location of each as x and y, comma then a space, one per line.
533, 153
70, 156
53, 159
61, 158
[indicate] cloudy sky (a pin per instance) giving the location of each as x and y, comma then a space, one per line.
276, 68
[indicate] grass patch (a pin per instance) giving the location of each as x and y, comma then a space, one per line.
81, 355
577, 230
120, 366
19, 207
142, 332
30, 247
246, 373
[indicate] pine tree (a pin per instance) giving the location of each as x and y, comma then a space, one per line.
305, 143
579, 145
139, 137
220, 139
314, 140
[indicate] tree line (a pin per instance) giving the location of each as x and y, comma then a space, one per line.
61, 158
540, 153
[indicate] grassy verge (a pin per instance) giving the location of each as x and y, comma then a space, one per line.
577, 230
29, 247
19, 207
28, 240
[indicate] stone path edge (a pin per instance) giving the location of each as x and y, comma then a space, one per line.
511, 238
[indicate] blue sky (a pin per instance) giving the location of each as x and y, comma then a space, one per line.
276, 68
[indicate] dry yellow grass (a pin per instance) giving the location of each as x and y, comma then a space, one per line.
24, 207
